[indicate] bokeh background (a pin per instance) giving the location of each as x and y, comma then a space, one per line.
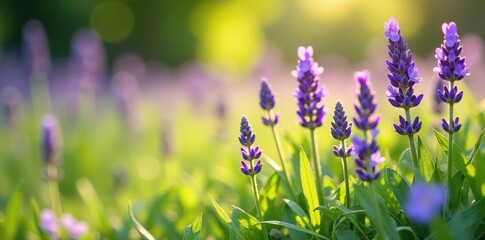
149, 94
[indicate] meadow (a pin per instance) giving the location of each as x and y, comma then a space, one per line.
190, 157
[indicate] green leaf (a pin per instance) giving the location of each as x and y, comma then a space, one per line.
299, 213
247, 221
476, 148
459, 161
309, 189
294, 227
480, 179
225, 218
141, 230
380, 217
192, 231
345, 233
13, 214
268, 194
289, 217
398, 185
425, 164
456, 183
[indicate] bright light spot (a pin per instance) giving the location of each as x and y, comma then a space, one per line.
147, 167
113, 20
228, 35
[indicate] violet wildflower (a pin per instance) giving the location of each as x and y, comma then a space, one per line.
48, 222
251, 154
267, 102
451, 68
51, 140
74, 227
309, 92
37, 48
366, 151
341, 130
437, 103
403, 75
424, 202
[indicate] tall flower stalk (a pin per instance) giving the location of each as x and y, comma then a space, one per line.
403, 75
267, 103
340, 131
311, 111
251, 155
51, 148
366, 151
451, 68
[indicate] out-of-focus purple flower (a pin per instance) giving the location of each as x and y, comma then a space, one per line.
74, 227
424, 202
48, 222
37, 47
366, 105
309, 93
403, 74
451, 67
267, 102
11, 101
51, 140
248, 152
437, 103
365, 150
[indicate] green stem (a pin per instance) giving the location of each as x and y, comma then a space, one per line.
55, 197
254, 185
346, 177
412, 144
377, 222
316, 166
281, 155
450, 142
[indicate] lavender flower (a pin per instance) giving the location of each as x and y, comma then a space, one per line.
51, 140
74, 227
249, 154
437, 103
451, 68
403, 75
340, 130
267, 102
37, 47
48, 222
309, 92
424, 202
366, 106
366, 151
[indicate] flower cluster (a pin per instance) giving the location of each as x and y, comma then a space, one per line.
424, 202
402, 76
451, 68
366, 151
309, 92
267, 102
49, 223
249, 153
340, 130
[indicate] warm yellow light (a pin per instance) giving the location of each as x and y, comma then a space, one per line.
327, 10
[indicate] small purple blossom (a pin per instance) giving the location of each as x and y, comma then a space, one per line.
366, 151
74, 227
309, 93
51, 139
392, 30
48, 222
340, 130
248, 152
405, 128
437, 103
267, 102
424, 202
366, 105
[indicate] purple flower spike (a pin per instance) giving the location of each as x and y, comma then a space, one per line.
451, 66
267, 102
51, 140
366, 105
248, 152
340, 129
424, 202
406, 128
309, 92
48, 222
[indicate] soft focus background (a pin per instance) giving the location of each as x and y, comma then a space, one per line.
149, 94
